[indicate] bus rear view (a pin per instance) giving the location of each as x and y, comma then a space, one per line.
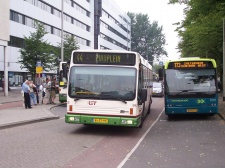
191, 86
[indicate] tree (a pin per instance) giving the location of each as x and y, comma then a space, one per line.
36, 49
70, 44
147, 38
201, 31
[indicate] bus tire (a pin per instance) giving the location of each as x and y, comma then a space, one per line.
170, 117
149, 106
142, 116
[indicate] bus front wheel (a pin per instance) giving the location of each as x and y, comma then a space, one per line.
149, 106
142, 116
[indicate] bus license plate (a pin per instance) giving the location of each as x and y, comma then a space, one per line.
100, 120
192, 110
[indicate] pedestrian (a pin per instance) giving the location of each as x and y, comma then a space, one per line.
36, 90
53, 90
22, 93
219, 84
26, 91
32, 94
42, 90
48, 90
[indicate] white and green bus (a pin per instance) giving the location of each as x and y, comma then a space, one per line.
62, 83
108, 87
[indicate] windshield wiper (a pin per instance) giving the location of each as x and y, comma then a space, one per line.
86, 94
115, 97
182, 91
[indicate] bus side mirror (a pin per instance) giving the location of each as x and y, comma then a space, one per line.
64, 68
143, 95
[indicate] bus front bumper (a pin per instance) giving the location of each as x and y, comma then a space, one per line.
102, 120
191, 110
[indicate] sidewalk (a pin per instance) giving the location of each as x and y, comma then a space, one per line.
13, 113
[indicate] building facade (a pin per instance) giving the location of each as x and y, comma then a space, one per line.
95, 24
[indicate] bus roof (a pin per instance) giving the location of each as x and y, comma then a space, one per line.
191, 59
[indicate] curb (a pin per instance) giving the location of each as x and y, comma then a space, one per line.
12, 101
25, 122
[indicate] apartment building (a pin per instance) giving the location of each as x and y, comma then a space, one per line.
95, 24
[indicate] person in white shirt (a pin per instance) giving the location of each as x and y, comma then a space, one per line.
42, 89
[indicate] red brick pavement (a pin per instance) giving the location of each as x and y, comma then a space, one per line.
11, 105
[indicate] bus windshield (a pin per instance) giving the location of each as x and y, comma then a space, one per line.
62, 80
190, 81
102, 82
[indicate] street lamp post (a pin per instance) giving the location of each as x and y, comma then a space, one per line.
62, 41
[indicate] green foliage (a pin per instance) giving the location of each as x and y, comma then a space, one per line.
202, 30
147, 38
36, 49
70, 44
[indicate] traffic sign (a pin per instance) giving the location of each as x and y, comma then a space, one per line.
39, 69
160, 63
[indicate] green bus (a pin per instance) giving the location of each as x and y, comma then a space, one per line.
191, 86
62, 83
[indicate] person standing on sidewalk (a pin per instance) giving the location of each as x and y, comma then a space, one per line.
26, 91
53, 90
32, 93
42, 90
48, 90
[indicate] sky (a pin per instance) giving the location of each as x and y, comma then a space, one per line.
163, 13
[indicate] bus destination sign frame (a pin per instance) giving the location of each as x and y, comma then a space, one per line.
104, 58
190, 64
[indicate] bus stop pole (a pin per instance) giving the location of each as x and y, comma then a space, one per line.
62, 35
6, 80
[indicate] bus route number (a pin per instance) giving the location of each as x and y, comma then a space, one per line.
189, 64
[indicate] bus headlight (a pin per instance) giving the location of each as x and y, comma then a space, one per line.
123, 121
74, 119
71, 118
126, 122
129, 122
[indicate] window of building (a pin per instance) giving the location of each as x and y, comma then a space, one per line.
67, 1
29, 22
16, 42
56, 32
14, 16
57, 13
88, 43
47, 28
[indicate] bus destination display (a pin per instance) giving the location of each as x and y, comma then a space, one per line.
104, 58
190, 64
